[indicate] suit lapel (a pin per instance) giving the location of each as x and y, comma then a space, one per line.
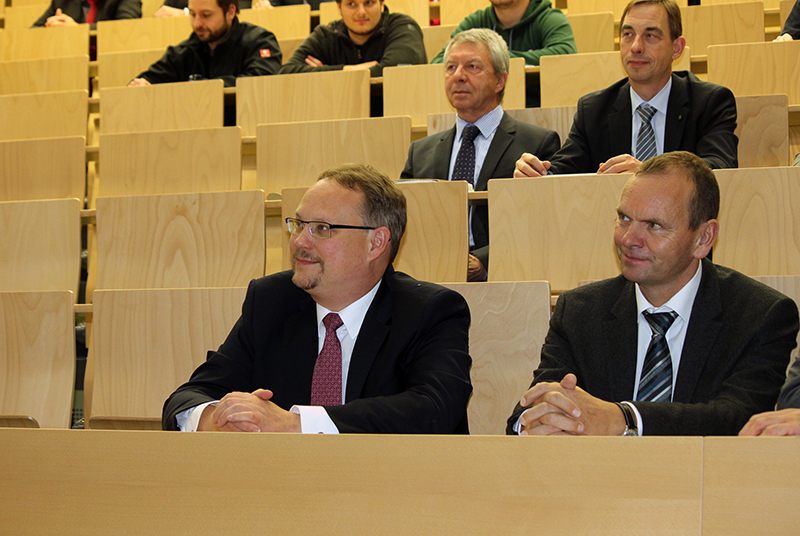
620, 123
677, 111
371, 337
620, 337
302, 346
442, 153
503, 137
701, 334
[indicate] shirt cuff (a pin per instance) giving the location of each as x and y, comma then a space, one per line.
314, 420
518, 425
639, 424
190, 418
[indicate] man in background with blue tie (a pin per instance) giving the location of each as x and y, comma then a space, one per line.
650, 112
676, 345
486, 141
341, 343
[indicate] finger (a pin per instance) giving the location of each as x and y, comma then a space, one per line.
263, 394
562, 422
536, 412
781, 429
570, 381
59, 12
538, 391
562, 403
540, 430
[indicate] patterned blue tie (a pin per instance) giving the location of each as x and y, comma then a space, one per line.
646, 141
656, 382
464, 169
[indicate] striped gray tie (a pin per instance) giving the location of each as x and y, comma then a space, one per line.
646, 141
656, 382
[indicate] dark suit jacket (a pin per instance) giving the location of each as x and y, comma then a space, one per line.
701, 118
733, 363
409, 372
790, 394
429, 158
106, 10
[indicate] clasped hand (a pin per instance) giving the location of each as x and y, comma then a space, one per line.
249, 412
565, 409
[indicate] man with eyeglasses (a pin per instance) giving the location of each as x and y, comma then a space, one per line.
342, 343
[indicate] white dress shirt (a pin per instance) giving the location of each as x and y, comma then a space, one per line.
659, 120
313, 419
681, 303
488, 126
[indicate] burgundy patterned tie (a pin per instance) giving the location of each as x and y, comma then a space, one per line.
326, 385
464, 168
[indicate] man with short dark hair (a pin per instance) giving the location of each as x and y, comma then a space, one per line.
366, 37
476, 71
652, 111
220, 47
675, 345
342, 343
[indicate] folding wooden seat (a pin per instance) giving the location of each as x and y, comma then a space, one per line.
508, 323
147, 342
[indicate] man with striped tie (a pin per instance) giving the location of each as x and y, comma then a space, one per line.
676, 345
652, 111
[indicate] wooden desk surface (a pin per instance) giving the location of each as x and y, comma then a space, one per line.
100, 482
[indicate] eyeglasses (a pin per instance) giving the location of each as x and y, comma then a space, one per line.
318, 229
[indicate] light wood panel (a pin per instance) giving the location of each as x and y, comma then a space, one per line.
558, 118
116, 69
181, 105
557, 229
771, 68
759, 220
37, 357
141, 34
721, 24
170, 162
575, 7
750, 486
43, 75
41, 245
508, 323
21, 17
785, 8
593, 32
563, 78
381, 484
147, 343
149, 7
301, 97
418, 90
435, 245
49, 168
454, 11
39, 43
180, 241
286, 22
419, 10
436, 38
789, 285
43, 115
380, 141
763, 129
768, 4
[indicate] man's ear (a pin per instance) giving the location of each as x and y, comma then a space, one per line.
677, 47
501, 83
379, 242
706, 238
231, 11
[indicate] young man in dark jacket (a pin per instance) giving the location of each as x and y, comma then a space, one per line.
220, 47
366, 37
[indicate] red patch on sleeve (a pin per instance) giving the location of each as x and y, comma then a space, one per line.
266, 53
